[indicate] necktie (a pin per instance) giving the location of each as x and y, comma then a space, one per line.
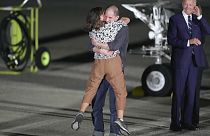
190, 25
190, 29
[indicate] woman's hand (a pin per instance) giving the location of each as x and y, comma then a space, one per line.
125, 20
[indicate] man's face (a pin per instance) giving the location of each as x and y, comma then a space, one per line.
188, 6
110, 16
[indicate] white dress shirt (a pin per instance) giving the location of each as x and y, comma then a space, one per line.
186, 20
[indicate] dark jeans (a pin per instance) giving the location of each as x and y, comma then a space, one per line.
98, 104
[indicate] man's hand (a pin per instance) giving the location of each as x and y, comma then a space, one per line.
102, 51
195, 41
106, 52
99, 44
197, 11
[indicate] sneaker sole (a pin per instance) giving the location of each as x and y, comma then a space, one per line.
75, 125
122, 131
125, 133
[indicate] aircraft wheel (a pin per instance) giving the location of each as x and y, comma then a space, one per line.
157, 80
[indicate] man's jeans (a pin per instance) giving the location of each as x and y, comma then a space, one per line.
98, 104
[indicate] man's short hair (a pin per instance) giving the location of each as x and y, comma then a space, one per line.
114, 8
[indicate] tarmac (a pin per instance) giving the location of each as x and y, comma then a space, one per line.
44, 103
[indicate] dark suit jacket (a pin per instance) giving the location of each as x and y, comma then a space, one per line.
178, 36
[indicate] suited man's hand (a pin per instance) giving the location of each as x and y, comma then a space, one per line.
197, 11
195, 41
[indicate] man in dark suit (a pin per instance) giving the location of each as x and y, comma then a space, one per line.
185, 33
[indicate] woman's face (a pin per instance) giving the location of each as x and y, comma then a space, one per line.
102, 17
